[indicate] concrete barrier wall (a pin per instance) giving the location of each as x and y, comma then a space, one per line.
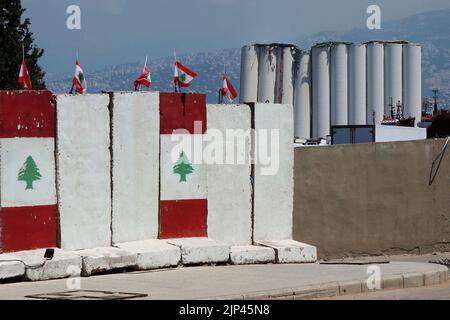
372, 198
28, 214
84, 170
229, 185
273, 190
135, 166
183, 191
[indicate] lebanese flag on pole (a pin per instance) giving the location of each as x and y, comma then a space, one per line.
183, 76
78, 80
228, 90
144, 79
24, 78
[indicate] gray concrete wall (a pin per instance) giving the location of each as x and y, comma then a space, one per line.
369, 199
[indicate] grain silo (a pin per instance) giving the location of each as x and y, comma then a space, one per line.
357, 84
375, 82
393, 82
302, 96
339, 84
320, 57
284, 91
412, 81
267, 60
249, 75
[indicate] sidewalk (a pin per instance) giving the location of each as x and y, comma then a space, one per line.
300, 281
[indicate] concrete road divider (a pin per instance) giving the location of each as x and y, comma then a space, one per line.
251, 255
84, 177
100, 260
153, 254
135, 166
291, 251
183, 190
201, 250
28, 215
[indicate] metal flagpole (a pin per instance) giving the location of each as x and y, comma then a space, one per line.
177, 89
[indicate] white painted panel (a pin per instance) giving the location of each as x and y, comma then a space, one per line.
229, 185
273, 193
135, 166
37, 158
84, 177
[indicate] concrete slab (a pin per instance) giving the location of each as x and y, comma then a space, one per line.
291, 251
10, 268
153, 254
64, 264
105, 259
251, 255
413, 280
201, 250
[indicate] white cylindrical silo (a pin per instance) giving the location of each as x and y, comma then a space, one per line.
302, 96
375, 82
357, 84
320, 58
393, 84
412, 81
285, 78
267, 74
249, 75
339, 84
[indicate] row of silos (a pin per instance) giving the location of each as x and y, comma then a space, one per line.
334, 83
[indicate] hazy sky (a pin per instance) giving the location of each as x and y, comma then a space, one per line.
120, 31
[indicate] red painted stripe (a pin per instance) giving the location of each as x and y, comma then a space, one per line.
28, 228
27, 114
181, 110
183, 218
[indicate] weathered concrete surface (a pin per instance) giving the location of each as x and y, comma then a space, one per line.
83, 170
372, 199
290, 251
10, 269
251, 255
229, 184
288, 281
63, 264
201, 250
153, 254
135, 166
105, 259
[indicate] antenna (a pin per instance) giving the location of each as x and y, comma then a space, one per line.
435, 92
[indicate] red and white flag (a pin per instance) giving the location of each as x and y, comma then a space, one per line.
79, 80
144, 79
183, 76
228, 89
24, 78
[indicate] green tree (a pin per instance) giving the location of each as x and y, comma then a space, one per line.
29, 173
14, 32
183, 167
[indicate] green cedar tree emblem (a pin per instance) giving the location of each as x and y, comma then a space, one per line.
29, 173
183, 78
81, 77
183, 167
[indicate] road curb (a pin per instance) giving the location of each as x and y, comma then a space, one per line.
350, 287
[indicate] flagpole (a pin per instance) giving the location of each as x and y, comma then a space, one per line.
174, 81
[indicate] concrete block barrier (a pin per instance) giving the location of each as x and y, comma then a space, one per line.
135, 166
84, 170
251, 255
28, 215
201, 250
274, 169
183, 190
10, 269
228, 177
153, 254
290, 251
100, 260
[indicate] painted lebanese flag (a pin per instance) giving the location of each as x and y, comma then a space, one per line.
24, 78
183, 76
78, 80
228, 90
144, 79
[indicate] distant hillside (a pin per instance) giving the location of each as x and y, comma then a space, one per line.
429, 29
